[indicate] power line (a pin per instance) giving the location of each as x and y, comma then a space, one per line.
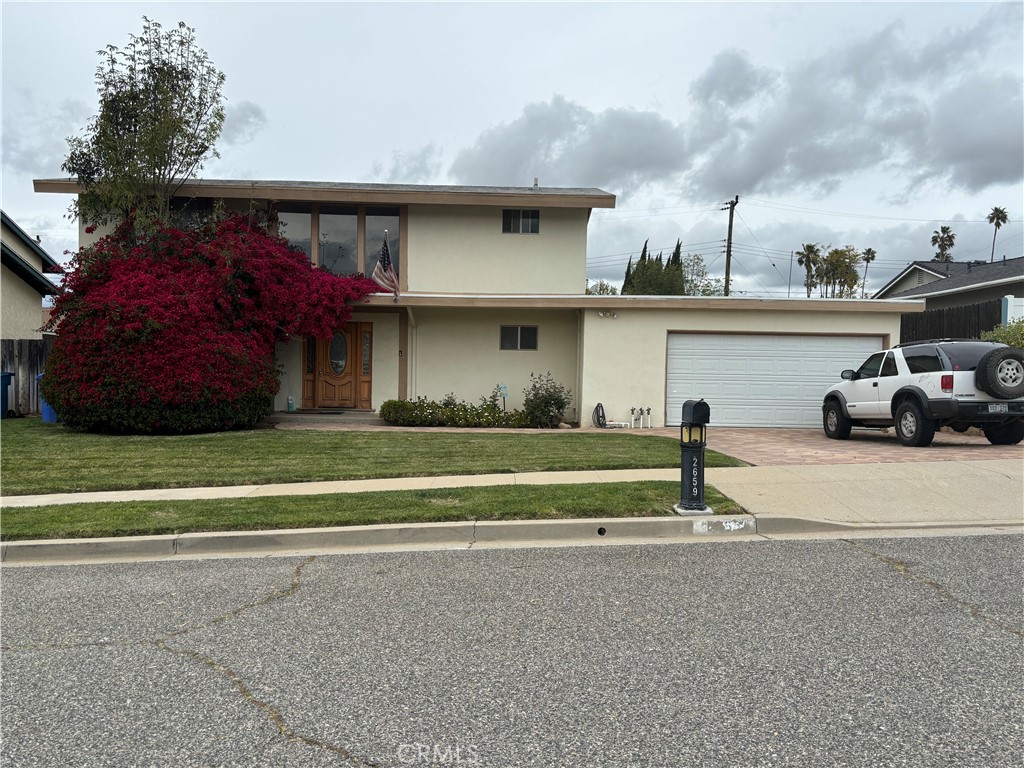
785, 207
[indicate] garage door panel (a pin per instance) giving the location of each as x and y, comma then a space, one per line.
759, 380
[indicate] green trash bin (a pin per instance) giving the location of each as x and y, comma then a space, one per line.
5, 382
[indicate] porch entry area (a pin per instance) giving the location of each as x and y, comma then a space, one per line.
338, 372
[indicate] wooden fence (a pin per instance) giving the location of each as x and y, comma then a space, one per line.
966, 322
24, 358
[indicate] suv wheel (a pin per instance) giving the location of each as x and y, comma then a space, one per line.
912, 428
835, 423
1000, 373
1005, 434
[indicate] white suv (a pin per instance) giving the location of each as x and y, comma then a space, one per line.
925, 385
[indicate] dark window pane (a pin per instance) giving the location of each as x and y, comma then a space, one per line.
510, 220
510, 337
377, 220
528, 337
870, 368
310, 354
922, 360
338, 240
889, 366
531, 222
296, 228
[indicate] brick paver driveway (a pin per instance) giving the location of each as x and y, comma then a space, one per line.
780, 447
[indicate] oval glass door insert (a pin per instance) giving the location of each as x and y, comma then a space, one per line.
339, 353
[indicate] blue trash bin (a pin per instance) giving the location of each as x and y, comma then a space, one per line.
49, 415
5, 382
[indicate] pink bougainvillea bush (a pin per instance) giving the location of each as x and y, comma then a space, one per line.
173, 331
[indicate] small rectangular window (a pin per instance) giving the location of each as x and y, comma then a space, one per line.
519, 337
516, 221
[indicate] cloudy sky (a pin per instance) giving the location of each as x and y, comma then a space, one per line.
868, 124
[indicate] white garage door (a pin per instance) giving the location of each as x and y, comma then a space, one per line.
759, 381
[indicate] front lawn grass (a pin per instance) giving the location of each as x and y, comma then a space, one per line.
38, 458
643, 499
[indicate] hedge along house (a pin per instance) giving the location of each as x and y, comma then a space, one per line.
492, 286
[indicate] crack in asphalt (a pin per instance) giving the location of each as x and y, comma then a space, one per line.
274, 714
903, 569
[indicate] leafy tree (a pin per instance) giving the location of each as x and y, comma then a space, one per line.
160, 115
173, 331
601, 288
836, 273
868, 255
678, 276
943, 239
996, 218
808, 257
696, 280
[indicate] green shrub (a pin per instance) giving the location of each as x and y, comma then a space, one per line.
546, 401
1011, 333
450, 412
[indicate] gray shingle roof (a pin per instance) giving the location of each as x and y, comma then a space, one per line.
963, 275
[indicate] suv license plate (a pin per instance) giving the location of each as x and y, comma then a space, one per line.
998, 408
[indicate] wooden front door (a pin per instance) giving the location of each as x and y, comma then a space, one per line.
342, 369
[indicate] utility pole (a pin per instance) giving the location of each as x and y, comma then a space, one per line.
728, 243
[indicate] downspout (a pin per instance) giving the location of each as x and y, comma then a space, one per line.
413, 357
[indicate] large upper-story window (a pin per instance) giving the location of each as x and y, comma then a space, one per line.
520, 221
339, 239
345, 239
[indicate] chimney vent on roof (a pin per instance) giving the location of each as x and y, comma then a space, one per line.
535, 183
969, 265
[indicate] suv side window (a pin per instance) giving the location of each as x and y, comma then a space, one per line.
923, 359
871, 366
889, 366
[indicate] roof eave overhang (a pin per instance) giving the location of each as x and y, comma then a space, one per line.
968, 288
32, 277
645, 303
49, 263
342, 194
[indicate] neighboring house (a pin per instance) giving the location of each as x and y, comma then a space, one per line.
22, 288
956, 283
492, 288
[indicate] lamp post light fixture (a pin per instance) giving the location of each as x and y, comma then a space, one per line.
693, 434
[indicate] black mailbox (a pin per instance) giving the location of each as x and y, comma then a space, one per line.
693, 427
693, 436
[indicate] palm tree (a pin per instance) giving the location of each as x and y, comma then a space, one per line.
997, 218
808, 258
868, 255
943, 239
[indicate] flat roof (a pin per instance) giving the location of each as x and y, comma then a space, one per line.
375, 194
584, 301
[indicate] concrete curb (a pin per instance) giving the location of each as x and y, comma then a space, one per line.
462, 535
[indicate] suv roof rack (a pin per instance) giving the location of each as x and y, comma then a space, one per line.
933, 341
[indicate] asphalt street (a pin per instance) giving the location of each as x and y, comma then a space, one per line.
866, 652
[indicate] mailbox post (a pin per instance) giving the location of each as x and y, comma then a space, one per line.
692, 441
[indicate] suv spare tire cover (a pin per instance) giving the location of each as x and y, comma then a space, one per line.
1000, 373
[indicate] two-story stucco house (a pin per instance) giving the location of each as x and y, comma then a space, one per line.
23, 285
492, 286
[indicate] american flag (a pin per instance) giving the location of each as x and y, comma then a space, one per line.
384, 273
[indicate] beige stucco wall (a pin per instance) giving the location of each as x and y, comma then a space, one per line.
913, 279
22, 308
461, 249
457, 350
624, 358
385, 362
